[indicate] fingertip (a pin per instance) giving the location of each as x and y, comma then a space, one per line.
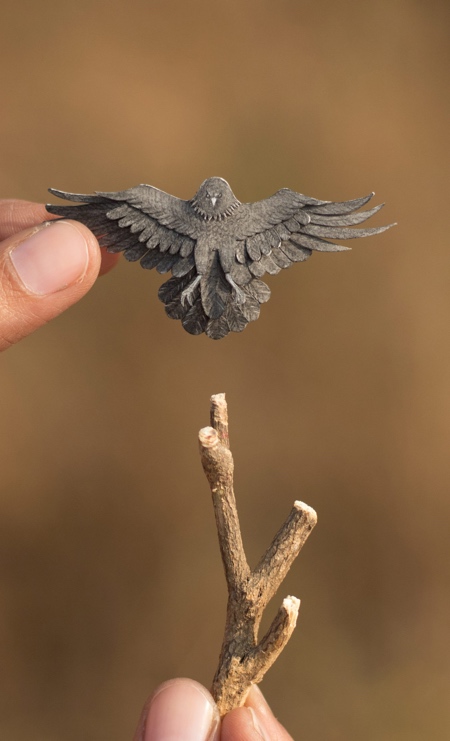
179, 708
17, 216
264, 720
93, 249
54, 257
44, 270
242, 724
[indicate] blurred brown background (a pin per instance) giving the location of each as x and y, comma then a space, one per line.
110, 575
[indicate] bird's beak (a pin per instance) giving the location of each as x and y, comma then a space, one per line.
213, 200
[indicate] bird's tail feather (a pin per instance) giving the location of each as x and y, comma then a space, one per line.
233, 317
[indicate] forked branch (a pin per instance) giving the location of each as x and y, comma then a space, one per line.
243, 659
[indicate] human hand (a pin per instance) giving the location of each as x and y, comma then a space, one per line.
44, 269
184, 710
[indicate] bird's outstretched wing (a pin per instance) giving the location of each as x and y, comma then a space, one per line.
144, 223
149, 225
288, 227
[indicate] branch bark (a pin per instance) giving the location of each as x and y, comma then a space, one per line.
243, 660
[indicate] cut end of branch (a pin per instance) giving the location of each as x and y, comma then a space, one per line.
219, 418
208, 437
292, 606
309, 512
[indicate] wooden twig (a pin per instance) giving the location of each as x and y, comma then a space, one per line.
243, 659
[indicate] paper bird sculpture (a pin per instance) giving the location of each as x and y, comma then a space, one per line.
216, 247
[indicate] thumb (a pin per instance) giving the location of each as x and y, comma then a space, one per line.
44, 270
179, 709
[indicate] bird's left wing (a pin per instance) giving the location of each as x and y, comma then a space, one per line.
287, 227
144, 223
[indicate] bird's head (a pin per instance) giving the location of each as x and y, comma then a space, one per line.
214, 199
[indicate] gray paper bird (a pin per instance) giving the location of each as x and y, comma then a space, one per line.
216, 247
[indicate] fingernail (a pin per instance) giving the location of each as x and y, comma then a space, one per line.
262, 715
51, 259
181, 709
259, 728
